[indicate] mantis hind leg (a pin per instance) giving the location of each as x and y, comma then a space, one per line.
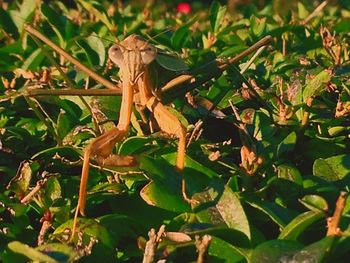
170, 124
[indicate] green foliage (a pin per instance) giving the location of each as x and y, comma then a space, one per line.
267, 173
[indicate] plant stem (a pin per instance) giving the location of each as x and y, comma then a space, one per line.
72, 92
70, 58
43, 119
333, 222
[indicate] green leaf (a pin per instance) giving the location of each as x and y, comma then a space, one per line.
277, 213
216, 15
120, 226
220, 88
342, 26
317, 251
222, 251
283, 7
222, 206
90, 53
66, 151
65, 123
191, 166
34, 60
231, 51
26, 9
335, 130
98, 11
113, 188
315, 203
289, 172
97, 46
296, 227
180, 37
20, 183
317, 85
262, 126
7, 24
288, 144
171, 63
109, 105
333, 168
56, 23
89, 227
258, 26
59, 252
134, 144
30, 252
164, 189
53, 189
232, 212
275, 251
302, 11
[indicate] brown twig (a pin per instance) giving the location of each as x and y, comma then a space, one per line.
252, 59
219, 65
262, 42
202, 245
44, 228
46, 120
314, 13
284, 45
306, 114
214, 69
333, 222
34, 191
152, 244
70, 58
196, 132
73, 92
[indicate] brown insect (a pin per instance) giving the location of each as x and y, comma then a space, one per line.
133, 56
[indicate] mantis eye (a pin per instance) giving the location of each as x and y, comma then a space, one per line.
115, 53
148, 54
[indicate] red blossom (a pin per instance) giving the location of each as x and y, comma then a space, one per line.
184, 8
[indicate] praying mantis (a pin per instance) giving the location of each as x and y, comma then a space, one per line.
133, 56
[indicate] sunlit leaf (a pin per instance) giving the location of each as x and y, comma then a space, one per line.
332, 168
34, 60
317, 84
299, 224
220, 249
89, 227
30, 252
315, 203
171, 63
318, 251
217, 13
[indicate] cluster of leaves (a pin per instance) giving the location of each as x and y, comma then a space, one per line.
267, 171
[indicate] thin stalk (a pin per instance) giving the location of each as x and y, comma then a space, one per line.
262, 42
70, 58
213, 69
252, 59
72, 92
43, 119
314, 13
58, 67
53, 62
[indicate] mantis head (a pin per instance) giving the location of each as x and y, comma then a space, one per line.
132, 55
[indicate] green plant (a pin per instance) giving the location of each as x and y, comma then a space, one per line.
269, 139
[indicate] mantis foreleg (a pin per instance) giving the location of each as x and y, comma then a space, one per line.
102, 147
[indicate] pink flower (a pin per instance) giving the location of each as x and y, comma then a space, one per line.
184, 8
